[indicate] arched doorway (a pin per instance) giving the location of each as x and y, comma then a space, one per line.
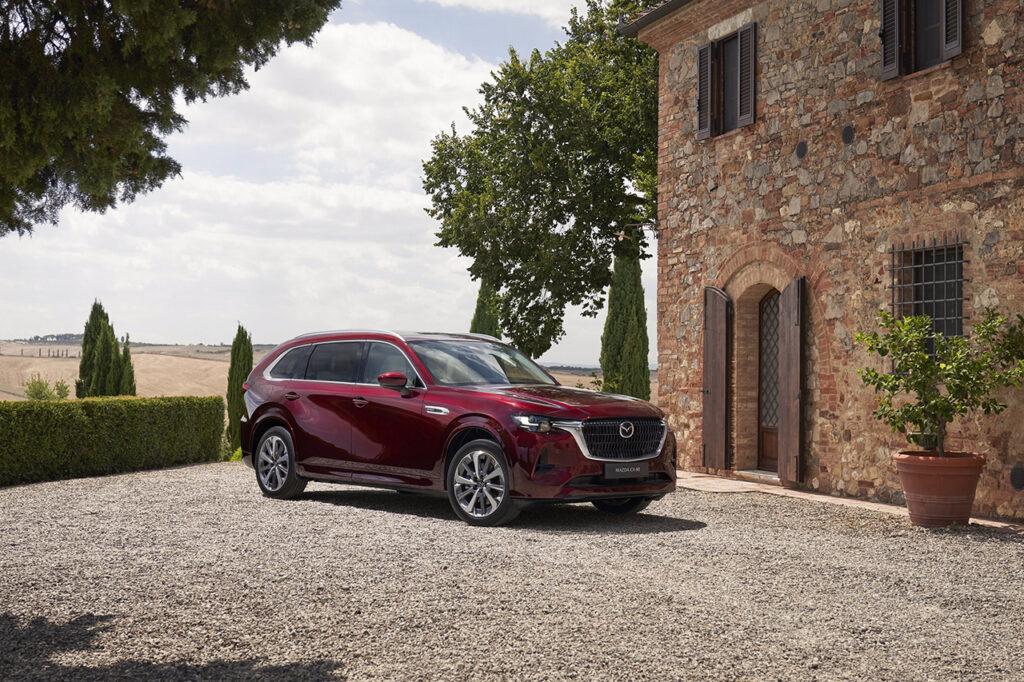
768, 382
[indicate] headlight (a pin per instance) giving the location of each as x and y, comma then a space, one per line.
532, 422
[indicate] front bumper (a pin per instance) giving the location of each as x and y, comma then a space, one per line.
551, 467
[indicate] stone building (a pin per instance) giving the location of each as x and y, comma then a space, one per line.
820, 160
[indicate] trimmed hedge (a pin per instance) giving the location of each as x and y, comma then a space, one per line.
52, 440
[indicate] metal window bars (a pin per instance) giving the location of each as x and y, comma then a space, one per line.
928, 280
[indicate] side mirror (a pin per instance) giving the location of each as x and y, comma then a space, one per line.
395, 380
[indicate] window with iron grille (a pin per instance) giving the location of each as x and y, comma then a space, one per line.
929, 280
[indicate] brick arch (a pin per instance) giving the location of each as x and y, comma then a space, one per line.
757, 255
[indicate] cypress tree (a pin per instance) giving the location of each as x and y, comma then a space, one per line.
127, 386
238, 372
93, 328
105, 348
112, 384
624, 342
485, 318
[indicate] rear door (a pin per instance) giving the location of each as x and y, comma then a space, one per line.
324, 409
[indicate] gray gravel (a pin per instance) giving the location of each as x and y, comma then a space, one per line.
191, 574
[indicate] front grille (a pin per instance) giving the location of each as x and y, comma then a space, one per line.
605, 439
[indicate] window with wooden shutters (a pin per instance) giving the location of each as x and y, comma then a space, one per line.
918, 34
726, 83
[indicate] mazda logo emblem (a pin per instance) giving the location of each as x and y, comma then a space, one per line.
626, 429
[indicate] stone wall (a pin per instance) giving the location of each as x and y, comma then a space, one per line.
935, 153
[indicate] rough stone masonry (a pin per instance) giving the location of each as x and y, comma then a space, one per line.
933, 154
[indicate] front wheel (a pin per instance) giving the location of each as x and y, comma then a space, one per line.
479, 486
275, 465
623, 505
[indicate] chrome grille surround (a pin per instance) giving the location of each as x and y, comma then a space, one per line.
599, 439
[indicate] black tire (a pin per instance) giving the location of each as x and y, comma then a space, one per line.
271, 477
479, 485
623, 505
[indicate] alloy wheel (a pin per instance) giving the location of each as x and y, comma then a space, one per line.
479, 483
272, 462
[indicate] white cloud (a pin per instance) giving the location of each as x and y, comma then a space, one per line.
555, 12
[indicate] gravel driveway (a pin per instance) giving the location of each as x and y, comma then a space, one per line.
190, 573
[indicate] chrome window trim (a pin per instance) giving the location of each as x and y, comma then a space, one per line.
575, 429
270, 367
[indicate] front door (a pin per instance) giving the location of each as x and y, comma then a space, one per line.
768, 384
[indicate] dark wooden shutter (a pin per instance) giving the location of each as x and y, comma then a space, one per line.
952, 28
891, 35
790, 379
704, 104
748, 75
716, 376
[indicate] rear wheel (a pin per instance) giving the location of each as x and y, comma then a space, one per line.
479, 486
275, 465
623, 505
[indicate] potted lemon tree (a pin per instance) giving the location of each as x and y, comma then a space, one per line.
931, 381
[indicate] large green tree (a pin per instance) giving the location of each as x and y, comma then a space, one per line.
557, 175
624, 342
238, 371
89, 90
485, 317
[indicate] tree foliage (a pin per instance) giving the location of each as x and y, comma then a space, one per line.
624, 343
936, 378
104, 369
558, 174
127, 386
238, 371
485, 317
93, 328
38, 388
89, 89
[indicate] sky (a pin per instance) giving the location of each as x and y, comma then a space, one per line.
300, 204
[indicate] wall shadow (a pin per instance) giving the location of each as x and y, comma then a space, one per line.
545, 517
27, 647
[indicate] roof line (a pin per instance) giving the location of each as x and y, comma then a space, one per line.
385, 332
632, 29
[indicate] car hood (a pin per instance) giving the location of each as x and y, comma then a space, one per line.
580, 400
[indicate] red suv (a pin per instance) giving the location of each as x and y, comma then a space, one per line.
457, 414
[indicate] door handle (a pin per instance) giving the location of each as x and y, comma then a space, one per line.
360, 402
292, 395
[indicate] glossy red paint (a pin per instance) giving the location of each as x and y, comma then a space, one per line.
371, 433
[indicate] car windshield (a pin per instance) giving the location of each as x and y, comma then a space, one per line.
477, 363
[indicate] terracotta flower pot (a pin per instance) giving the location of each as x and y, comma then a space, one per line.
939, 490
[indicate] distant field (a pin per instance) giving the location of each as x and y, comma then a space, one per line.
159, 370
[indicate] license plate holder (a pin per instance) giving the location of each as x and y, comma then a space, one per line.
616, 470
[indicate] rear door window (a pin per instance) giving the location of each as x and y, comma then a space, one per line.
335, 361
292, 364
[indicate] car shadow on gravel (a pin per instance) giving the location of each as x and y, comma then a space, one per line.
549, 518
27, 647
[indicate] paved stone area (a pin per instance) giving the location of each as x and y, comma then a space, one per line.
190, 574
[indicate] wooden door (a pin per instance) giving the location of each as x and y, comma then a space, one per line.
791, 321
716, 378
768, 383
